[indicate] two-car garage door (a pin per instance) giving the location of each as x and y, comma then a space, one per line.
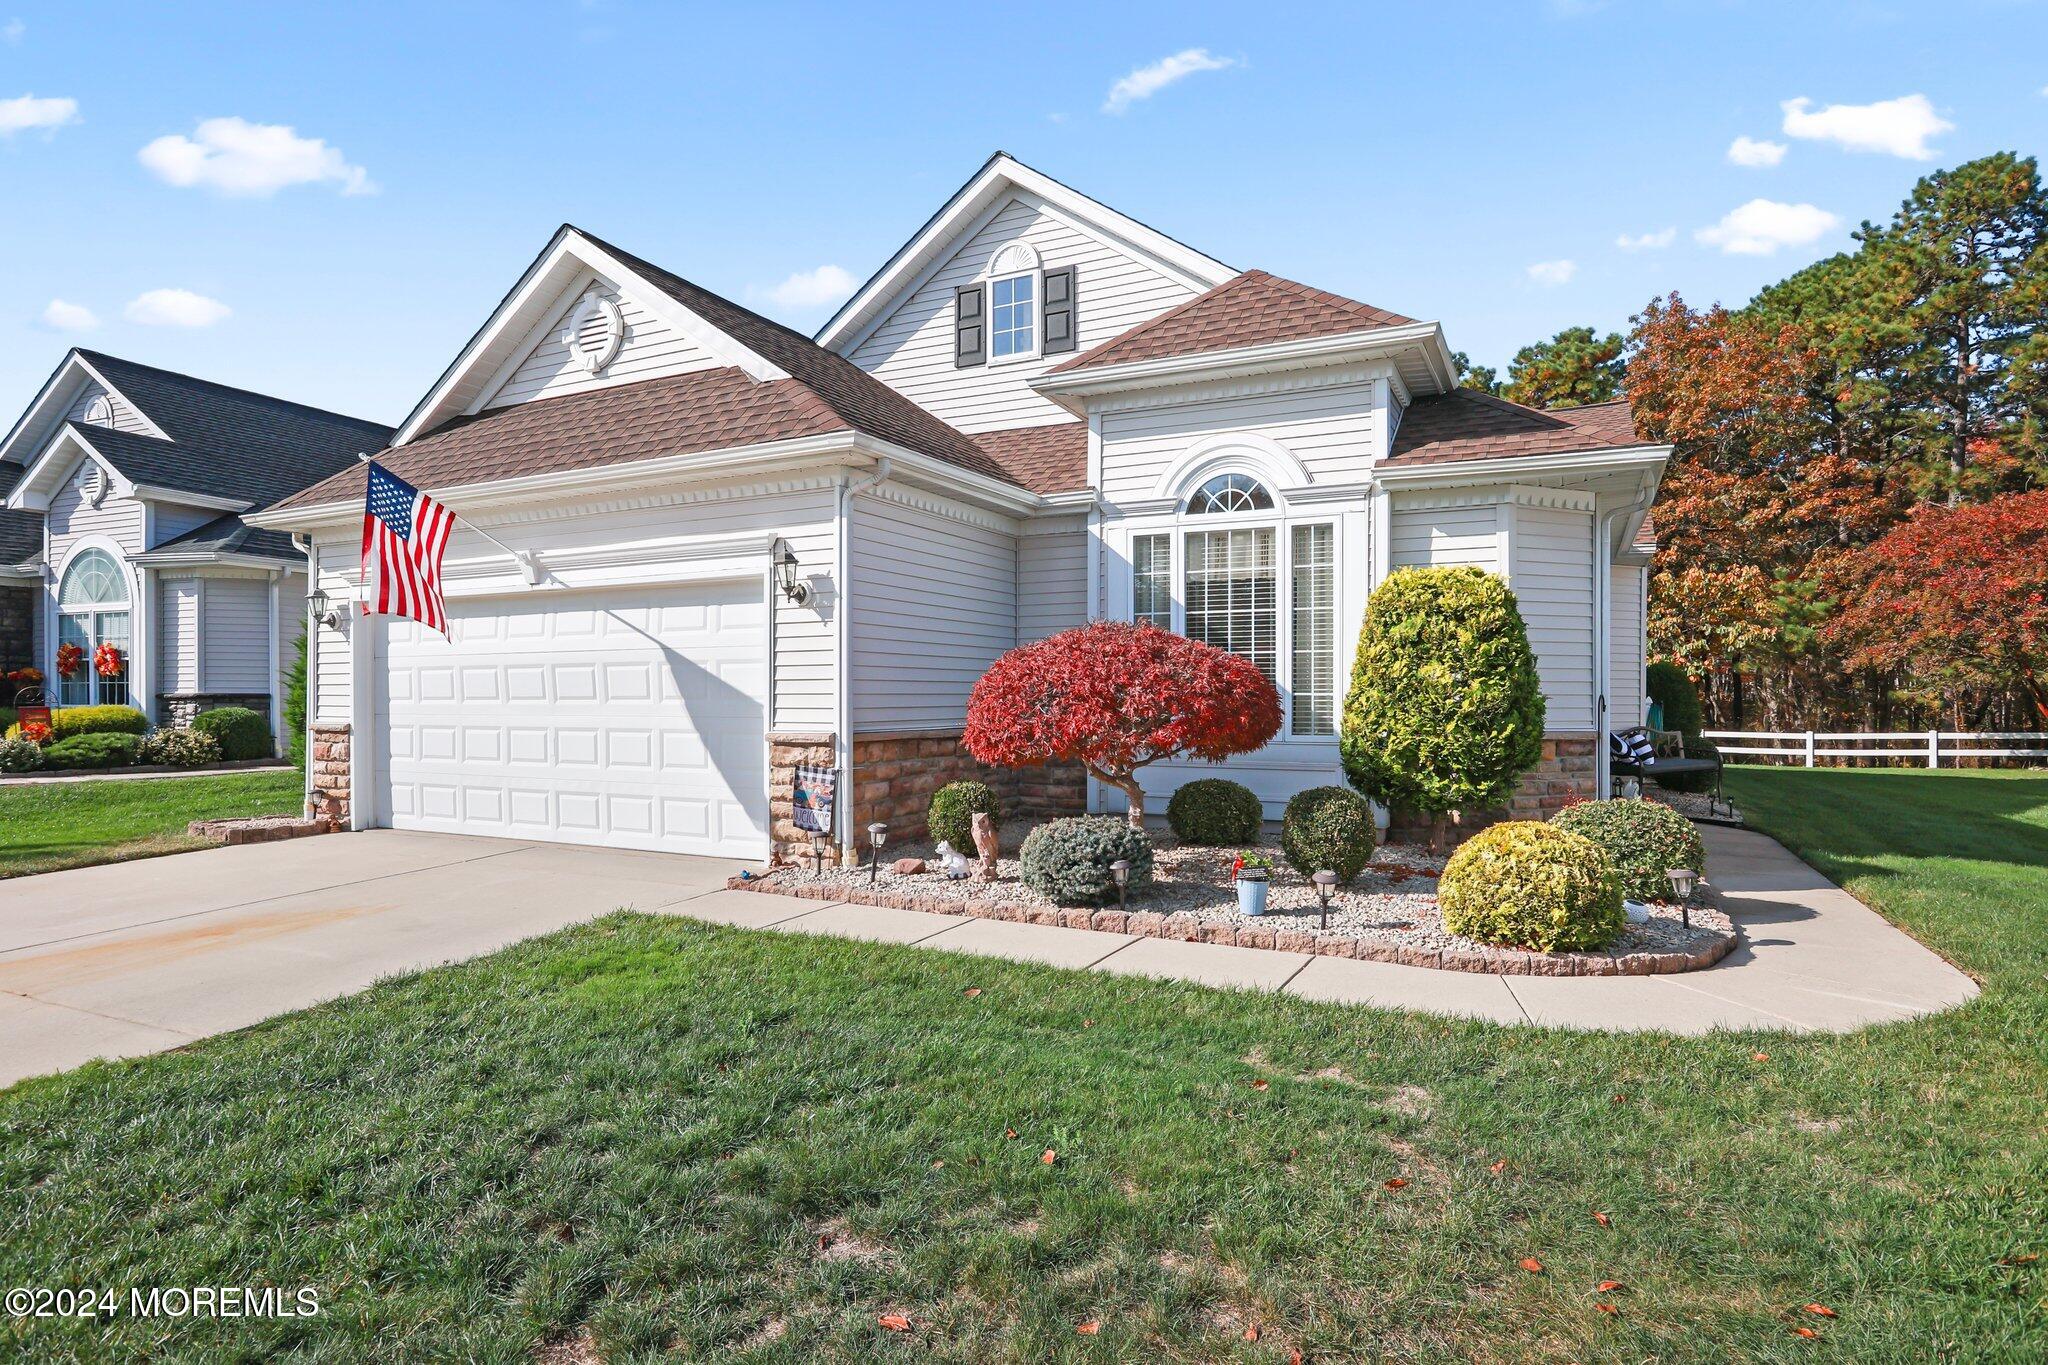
630, 718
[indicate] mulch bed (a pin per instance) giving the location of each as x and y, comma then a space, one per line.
1387, 914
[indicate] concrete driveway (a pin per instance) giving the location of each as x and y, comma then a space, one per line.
138, 957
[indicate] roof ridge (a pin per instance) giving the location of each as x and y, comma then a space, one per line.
103, 357
1129, 333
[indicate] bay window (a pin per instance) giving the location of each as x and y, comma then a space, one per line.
1236, 574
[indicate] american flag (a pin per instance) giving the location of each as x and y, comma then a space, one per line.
404, 535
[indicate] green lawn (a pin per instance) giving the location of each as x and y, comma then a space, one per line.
691, 1142
48, 826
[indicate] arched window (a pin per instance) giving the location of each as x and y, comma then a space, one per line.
1230, 493
92, 610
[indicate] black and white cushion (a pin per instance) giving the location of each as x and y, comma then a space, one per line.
1632, 746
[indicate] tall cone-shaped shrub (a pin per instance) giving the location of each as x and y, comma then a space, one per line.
1445, 712
1115, 697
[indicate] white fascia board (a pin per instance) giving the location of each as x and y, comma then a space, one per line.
1000, 174
946, 477
207, 501
162, 559
537, 291
101, 380
1379, 343
1461, 472
55, 397
568, 483
46, 474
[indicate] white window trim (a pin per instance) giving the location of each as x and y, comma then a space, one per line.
1282, 521
90, 613
1037, 278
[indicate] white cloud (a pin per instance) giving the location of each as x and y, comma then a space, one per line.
12, 31
69, 317
1761, 226
175, 308
26, 111
813, 288
1553, 273
1647, 241
1750, 151
237, 157
1147, 81
1897, 127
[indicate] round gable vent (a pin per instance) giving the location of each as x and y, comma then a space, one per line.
99, 412
595, 332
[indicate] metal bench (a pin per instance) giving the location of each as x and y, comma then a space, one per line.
1668, 759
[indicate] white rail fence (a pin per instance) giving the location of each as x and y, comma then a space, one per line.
1921, 748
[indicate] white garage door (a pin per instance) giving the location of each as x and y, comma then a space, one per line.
631, 719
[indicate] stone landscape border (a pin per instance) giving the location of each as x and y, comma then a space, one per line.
1187, 928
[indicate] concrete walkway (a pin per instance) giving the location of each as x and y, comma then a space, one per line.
132, 958
1813, 959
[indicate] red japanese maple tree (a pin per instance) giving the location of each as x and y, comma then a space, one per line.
1957, 597
1115, 697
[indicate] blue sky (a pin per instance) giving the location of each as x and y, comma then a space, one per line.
1473, 163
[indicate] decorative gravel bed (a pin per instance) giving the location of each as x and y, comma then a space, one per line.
1387, 914
1694, 805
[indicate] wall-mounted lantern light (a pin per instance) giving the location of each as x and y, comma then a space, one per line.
321, 608
795, 589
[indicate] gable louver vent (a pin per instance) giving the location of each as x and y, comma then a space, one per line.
595, 332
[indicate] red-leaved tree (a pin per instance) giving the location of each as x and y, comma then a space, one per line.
1957, 599
1115, 697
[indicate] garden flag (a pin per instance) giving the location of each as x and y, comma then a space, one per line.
404, 535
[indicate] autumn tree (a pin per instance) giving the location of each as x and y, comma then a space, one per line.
1956, 600
1115, 698
1484, 378
1573, 368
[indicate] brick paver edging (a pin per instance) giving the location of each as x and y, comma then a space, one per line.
1153, 924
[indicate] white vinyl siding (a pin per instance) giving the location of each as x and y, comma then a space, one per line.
178, 634
934, 603
1625, 704
1052, 579
330, 678
172, 520
234, 635
1552, 576
72, 517
291, 623
1330, 430
125, 417
651, 349
912, 350
1424, 536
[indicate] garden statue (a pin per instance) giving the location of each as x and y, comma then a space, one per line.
954, 862
986, 845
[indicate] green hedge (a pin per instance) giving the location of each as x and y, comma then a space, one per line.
1214, 811
1680, 700
1523, 884
91, 720
242, 733
103, 749
1641, 838
950, 814
1327, 829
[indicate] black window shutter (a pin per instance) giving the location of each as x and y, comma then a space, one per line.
970, 344
1059, 311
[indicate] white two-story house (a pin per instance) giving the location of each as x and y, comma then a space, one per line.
737, 549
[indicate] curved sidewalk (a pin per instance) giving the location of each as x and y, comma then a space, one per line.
1812, 958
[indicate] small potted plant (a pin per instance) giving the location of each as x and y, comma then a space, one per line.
1254, 873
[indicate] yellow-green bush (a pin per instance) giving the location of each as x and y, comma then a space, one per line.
91, 720
1525, 884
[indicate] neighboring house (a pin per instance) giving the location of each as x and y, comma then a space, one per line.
123, 491
1038, 412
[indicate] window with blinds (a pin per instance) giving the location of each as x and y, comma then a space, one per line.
1152, 580
1233, 594
1313, 558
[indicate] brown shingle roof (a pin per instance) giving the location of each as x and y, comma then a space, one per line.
1250, 310
704, 410
1466, 424
1044, 459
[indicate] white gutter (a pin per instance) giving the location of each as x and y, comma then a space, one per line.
1377, 343
842, 644
312, 672
1506, 470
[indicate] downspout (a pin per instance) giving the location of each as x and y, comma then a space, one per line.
305, 543
842, 569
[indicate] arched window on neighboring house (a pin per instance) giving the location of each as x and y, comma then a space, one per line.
92, 610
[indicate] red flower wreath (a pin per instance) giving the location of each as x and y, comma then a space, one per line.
70, 658
107, 661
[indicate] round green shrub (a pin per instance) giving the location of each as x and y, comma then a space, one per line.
1672, 690
1215, 811
20, 755
950, 816
1067, 861
1327, 829
1524, 884
91, 720
101, 750
1445, 712
1695, 747
179, 748
242, 733
1641, 838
